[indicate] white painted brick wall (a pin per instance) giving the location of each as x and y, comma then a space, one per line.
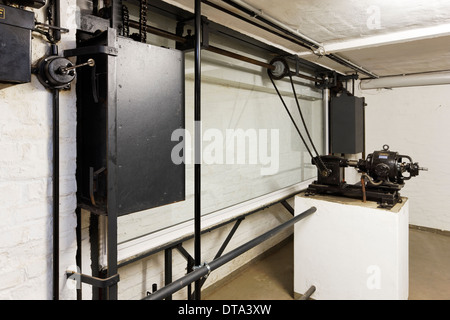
414, 122
26, 181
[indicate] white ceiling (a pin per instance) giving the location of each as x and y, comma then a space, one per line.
386, 37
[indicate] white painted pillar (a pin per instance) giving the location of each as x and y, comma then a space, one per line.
351, 250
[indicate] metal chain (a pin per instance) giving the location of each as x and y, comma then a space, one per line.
125, 21
143, 21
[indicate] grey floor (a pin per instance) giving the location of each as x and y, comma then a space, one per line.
271, 278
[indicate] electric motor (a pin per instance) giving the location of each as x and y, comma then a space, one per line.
388, 166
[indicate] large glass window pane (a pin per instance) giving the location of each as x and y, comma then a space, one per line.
249, 145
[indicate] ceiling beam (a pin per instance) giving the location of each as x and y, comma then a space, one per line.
384, 39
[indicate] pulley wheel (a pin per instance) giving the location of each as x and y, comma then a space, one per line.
50, 74
281, 68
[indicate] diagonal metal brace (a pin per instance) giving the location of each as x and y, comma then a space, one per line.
288, 207
94, 281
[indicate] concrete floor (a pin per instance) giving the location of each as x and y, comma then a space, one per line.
271, 277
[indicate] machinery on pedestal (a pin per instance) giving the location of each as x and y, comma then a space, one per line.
381, 172
381, 176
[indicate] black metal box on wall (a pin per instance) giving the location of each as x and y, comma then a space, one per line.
347, 124
15, 44
128, 106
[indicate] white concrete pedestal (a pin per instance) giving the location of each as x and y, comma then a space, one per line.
351, 250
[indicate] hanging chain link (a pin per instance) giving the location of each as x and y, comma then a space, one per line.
125, 21
143, 21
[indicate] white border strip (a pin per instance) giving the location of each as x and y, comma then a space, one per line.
157, 239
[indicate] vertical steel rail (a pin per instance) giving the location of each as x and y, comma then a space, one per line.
54, 51
112, 166
55, 192
168, 268
56, 20
326, 120
78, 254
197, 142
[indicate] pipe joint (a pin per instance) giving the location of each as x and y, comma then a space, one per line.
320, 51
204, 265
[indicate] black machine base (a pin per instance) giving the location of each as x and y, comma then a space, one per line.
386, 197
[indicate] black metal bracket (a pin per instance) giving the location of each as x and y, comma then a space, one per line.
190, 37
82, 51
93, 281
329, 80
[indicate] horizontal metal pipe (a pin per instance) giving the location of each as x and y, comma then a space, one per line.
239, 57
253, 61
351, 65
204, 270
260, 15
267, 29
425, 79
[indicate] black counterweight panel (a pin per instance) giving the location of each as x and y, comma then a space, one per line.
347, 124
129, 105
15, 44
150, 107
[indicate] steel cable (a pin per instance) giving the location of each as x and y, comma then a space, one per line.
293, 121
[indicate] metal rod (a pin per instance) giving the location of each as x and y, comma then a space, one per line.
94, 249
55, 192
158, 32
326, 120
168, 268
363, 186
111, 163
197, 118
93, 281
308, 293
56, 20
204, 270
240, 57
78, 253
